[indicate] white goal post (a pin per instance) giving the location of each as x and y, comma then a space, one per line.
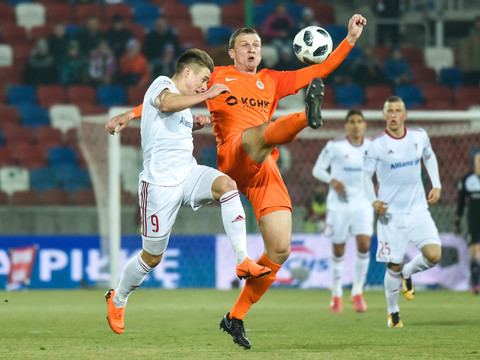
108, 187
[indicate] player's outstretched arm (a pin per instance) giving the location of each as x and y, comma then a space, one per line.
199, 121
121, 121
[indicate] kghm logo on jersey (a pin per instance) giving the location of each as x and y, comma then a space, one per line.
403, 164
185, 122
262, 104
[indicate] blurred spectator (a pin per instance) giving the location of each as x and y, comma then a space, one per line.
397, 70
308, 19
73, 68
58, 42
287, 61
40, 69
316, 209
118, 35
89, 36
166, 66
103, 65
367, 69
133, 66
279, 27
157, 39
388, 10
470, 55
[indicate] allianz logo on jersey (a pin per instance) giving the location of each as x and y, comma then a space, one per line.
402, 164
185, 122
350, 168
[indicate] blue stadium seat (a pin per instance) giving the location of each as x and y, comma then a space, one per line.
146, 14
111, 95
260, 13
2, 141
15, 2
33, 116
451, 77
411, 95
44, 179
217, 35
337, 33
73, 30
349, 96
62, 156
20, 94
76, 179
136, 2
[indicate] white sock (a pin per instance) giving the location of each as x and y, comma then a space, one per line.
360, 274
233, 217
337, 272
392, 282
132, 277
417, 264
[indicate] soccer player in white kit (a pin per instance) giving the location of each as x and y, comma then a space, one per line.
171, 176
348, 209
402, 207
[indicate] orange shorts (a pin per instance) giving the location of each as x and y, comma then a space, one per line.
262, 184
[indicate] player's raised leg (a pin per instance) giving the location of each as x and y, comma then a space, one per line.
313, 103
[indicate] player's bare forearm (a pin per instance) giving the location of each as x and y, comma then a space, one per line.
380, 207
434, 196
199, 121
355, 28
121, 121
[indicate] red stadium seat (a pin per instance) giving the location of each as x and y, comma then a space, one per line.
48, 137
10, 115
382, 52
92, 109
7, 14
48, 95
85, 197
11, 75
14, 34
437, 95
60, 12
18, 133
30, 156
56, 197
423, 75
324, 13
376, 94
81, 95
26, 198
233, 15
135, 95
466, 96
4, 198
176, 14
191, 36
38, 32
6, 157
85, 11
124, 10
412, 55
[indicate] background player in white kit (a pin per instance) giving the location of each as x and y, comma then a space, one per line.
171, 176
395, 156
348, 209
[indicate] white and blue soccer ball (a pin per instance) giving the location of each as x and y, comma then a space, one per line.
312, 45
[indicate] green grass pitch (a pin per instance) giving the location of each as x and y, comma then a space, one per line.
286, 324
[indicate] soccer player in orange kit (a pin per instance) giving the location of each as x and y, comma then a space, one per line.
246, 140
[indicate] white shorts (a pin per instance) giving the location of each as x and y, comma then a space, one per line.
159, 205
395, 231
340, 224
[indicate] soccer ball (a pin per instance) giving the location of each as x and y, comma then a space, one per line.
312, 45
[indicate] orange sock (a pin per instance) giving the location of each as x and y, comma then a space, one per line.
285, 129
254, 289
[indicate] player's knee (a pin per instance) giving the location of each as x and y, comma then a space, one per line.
150, 259
281, 254
434, 258
153, 250
223, 184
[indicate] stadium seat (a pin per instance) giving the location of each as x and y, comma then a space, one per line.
43, 31
260, 13
21, 94
205, 15
6, 156
269, 55
466, 96
76, 179
48, 95
337, 33
30, 14
349, 96
21, 54
382, 53
84, 197
60, 13
135, 94
176, 14
81, 94
437, 95
30, 156
191, 36
64, 117
16, 133
146, 14
4, 198
412, 55
124, 10
56, 197
2, 142
61, 156
48, 137
44, 179
6, 55
233, 15
32, 115
92, 109
423, 75
451, 77
14, 34
7, 14
439, 57
217, 35
84, 11
14, 178
324, 13
11, 75
111, 95
411, 95
26, 198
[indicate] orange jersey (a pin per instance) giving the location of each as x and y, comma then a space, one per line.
254, 98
